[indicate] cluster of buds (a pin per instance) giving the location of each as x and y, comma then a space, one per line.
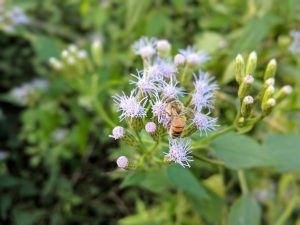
266, 98
9, 20
171, 97
75, 61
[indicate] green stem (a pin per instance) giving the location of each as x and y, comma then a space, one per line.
217, 134
287, 212
243, 182
103, 115
205, 159
140, 140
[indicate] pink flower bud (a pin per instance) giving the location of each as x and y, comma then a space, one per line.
179, 59
117, 133
122, 162
150, 127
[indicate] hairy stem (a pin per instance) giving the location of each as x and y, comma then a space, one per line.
205, 159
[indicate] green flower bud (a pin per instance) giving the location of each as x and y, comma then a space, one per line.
245, 86
247, 106
283, 92
251, 63
56, 64
271, 69
163, 48
189, 130
268, 106
97, 52
239, 68
268, 94
137, 124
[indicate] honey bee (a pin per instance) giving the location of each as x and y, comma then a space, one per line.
176, 121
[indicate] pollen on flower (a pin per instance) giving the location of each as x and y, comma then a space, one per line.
179, 151
117, 133
204, 122
122, 162
130, 106
150, 127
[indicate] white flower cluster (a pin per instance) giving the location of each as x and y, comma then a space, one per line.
12, 18
158, 84
295, 45
22, 93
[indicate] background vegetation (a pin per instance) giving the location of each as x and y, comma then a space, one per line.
57, 163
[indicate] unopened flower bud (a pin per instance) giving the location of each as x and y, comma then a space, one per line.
268, 94
82, 54
283, 92
179, 59
150, 127
71, 61
239, 68
247, 106
271, 69
122, 162
245, 86
270, 82
97, 52
251, 63
117, 133
56, 64
163, 48
73, 49
268, 106
65, 55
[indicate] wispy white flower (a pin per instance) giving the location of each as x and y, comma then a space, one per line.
204, 122
169, 90
167, 68
193, 56
179, 151
295, 45
145, 84
158, 109
130, 106
205, 86
145, 47
22, 93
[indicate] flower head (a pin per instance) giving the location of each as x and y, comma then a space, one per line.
194, 57
122, 162
169, 90
145, 47
167, 68
204, 122
205, 86
158, 109
130, 106
117, 132
179, 151
150, 127
145, 84
179, 59
295, 45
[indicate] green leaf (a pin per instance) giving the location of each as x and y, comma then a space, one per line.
185, 180
46, 47
133, 178
209, 41
245, 211
135, 10
240, 152
285, 149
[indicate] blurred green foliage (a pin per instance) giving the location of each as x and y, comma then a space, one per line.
60, 164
